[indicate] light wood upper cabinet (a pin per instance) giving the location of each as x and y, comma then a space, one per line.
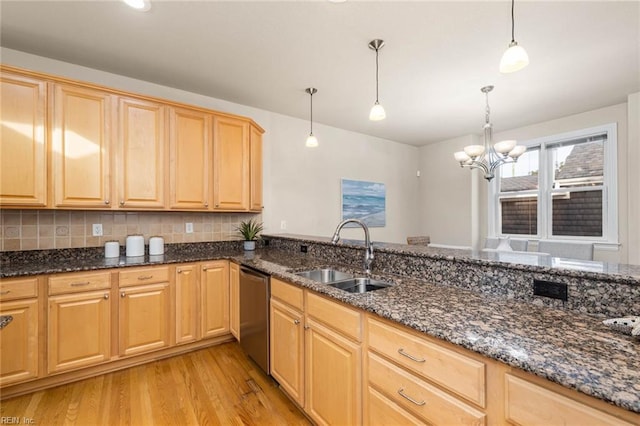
187, 309
141, 154
231, 164
189, 161
23, 141
82, 140
214, 287
255, 196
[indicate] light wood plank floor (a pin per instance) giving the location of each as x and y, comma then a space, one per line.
213, 386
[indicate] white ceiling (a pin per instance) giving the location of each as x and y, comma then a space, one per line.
584, 55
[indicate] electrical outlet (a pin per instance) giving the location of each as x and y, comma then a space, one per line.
188, 227
283, 224
303, 248
96, 230
550, 289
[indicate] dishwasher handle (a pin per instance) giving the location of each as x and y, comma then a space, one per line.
253, 272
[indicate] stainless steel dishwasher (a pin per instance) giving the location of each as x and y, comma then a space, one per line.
254, 316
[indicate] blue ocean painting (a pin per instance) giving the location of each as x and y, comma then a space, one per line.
365, 201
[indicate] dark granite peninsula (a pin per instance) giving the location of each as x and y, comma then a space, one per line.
483, 302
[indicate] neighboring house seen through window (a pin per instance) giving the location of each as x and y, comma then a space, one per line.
563, 187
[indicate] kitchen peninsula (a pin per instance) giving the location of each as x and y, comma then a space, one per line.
475, 303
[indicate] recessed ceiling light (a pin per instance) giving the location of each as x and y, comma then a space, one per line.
141, 5
337, 1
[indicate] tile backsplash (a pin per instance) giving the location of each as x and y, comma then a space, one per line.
48, 229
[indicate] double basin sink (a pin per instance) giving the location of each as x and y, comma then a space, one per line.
343, 280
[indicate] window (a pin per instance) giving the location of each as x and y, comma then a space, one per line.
563, 187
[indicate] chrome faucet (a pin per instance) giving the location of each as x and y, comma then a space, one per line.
368, 254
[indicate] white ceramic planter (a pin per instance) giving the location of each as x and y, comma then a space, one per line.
249, 245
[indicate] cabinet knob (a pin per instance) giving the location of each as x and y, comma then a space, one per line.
306, 327
106, 296
296, 322
217, 205
204, 268
206, 204
179, 271
123, 294
122, 202
106, 202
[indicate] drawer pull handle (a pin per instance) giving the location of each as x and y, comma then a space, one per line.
2, 293
5, 320
403, 353
145, 277
407, 397
82, 284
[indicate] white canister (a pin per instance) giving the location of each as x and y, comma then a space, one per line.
111, 249
156, 246
135, 246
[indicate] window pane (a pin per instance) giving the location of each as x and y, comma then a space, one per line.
578, 214
521, 175
579, 164
519, 215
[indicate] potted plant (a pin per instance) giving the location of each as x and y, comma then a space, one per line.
249, 231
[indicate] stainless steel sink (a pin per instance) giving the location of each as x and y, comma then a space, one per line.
325, 275
360, 285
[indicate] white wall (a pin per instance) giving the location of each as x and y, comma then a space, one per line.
633, 159
455, 216
301, 185
445, 193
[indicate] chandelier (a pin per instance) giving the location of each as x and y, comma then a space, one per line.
489, 157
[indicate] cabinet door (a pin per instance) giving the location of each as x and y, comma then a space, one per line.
333, 377
255, 198
23, 141
287, 349
379, 410
214, 285
82, 140
141, 154
144, 318
234, 300
231, 164
187, 308
190, 158
79, 330
19, 341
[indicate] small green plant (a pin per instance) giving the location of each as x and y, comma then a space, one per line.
250, 229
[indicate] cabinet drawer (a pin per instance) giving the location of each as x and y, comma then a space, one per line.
382, 411
454, 371
419, 397
287, 293
339, 317
141, 276
530, 404
73, 283
18, 288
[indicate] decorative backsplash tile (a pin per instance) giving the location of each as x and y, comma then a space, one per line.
49, 229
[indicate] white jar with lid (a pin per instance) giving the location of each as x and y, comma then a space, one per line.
135, 246
156, 246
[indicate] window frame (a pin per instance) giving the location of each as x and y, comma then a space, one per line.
545, 191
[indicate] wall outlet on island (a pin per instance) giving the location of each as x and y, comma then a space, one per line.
188, 228
96, 230
283, 224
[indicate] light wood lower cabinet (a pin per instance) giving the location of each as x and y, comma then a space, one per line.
144, 318
214, 296
316, 353
234, 300
187, 306
19, 336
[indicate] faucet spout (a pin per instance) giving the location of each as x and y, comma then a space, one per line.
368, 254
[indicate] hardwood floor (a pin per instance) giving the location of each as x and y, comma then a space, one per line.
213, 386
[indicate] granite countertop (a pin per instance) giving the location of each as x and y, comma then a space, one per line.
572, 349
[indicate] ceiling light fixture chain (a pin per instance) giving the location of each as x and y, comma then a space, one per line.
489, 157
377, 111
312, 141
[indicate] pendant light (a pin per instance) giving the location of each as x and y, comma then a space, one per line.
377, 111
312, 141
515, 57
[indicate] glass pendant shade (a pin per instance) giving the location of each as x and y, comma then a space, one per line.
517, 151
474, 151
141, 5
377, 112
505, 146
312, 141
514, 59
461, 156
